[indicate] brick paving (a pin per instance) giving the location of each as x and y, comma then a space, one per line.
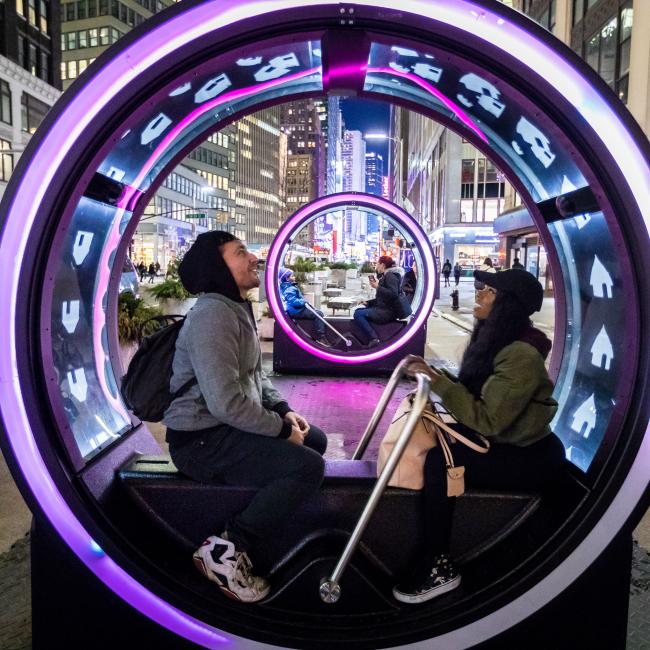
15, 597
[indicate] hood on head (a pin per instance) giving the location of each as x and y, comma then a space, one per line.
203, 269
396, 269
538, 340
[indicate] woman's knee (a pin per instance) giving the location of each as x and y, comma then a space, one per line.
312, 469
316, 440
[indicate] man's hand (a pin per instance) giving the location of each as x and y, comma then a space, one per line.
297, 436
297, 421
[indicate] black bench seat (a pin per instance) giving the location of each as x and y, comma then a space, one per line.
189, 511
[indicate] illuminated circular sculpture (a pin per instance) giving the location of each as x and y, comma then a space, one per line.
567, 144
422, 253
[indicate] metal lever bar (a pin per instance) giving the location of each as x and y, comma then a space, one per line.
330, 589
348, 342
394, 380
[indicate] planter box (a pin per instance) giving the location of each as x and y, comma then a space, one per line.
177, 307
266, 328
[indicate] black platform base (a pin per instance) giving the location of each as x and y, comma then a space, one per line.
290, 358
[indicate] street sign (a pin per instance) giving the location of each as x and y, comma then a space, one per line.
196, 215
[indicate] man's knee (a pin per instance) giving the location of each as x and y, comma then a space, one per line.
359, 314
312, 470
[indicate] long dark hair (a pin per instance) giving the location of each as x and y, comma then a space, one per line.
506, 323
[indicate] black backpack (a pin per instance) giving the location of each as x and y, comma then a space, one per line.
145, 386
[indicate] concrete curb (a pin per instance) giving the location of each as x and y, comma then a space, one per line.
452, 319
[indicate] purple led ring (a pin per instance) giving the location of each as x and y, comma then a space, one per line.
331, 202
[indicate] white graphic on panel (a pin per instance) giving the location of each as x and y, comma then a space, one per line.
582, 220
518, 150
399, 68
181, 90
116, 174
567, 186
487, 92
77, 384
81, 246
316, 52
277, 67
600, 280
212, 88
585, 417
403, 51
70, 315
602, 351
427, 71
539, 143
251, 60
155, 128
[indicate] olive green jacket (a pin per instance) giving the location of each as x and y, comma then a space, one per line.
516, 404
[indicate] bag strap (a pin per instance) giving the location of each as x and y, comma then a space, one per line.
437, 420
185, 387
442, 441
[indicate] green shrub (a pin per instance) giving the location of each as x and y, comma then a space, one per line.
342, 265
367, 267
170, 289
132, 314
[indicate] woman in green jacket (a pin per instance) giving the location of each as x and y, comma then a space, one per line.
502, 391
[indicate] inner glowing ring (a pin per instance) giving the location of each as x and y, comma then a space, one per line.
333, 201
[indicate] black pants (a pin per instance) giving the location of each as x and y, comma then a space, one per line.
504, 467
285, 473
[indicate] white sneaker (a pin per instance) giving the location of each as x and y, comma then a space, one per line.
218, 560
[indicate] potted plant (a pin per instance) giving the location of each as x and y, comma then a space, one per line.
267, 323
132, 325
172, 296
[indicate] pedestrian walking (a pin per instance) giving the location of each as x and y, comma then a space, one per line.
446, 272
457, 271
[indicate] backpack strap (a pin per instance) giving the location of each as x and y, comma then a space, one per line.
185, 387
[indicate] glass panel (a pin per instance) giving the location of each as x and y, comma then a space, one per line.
81, 9
578, 10
592, 53
5, 103
627, 16
594, 347
608, 42
624, 60
86, 383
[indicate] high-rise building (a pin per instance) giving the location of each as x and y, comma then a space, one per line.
29, 37
29, 79
305, 180
88, 27
353, 159
374, 173
374, 184
259, 176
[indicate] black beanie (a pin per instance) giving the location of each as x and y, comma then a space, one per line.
203, 268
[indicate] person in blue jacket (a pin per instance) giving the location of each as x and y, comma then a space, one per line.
296, 306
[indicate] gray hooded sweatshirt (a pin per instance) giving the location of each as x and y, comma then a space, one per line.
218, 345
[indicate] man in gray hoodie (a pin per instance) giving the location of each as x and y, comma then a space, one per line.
232, 426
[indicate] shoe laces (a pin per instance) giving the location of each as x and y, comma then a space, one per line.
243, 565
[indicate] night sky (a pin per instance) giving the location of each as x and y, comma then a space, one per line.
368, 117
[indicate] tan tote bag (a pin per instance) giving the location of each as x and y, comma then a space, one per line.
429, 431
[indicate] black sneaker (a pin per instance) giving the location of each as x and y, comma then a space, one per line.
442, 578
373, 343
323, 342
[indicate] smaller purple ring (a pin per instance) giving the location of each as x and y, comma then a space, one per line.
329, 202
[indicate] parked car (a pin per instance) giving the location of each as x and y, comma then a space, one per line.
129, 278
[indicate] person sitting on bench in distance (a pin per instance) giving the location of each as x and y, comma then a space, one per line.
296, 306
503, 391
232, 426
384, 308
